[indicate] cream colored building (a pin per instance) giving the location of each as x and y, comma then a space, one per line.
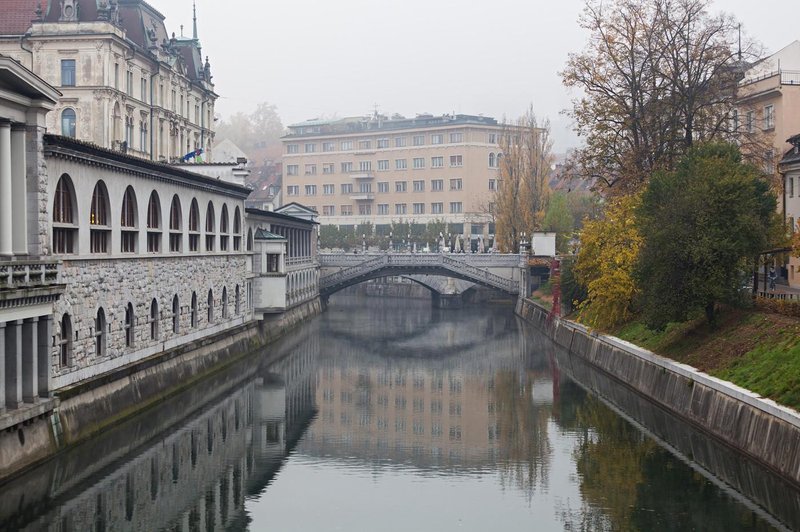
383, 170
769, 106
126, 83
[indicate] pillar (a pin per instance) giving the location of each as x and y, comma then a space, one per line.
18, 189
13, 363
6, 195
2, 366
30, 348
45, 332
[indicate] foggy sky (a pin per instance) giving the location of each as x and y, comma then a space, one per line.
314, 58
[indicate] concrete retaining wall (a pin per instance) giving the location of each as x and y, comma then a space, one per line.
758, 427
94, 404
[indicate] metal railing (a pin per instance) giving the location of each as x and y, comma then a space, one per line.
27, 274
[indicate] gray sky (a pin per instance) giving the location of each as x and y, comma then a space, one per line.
315, 58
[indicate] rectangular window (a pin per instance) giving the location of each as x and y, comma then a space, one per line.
129, 86
292, 148
750, 121
456, 160
491, 138
364, 166
383, 186
436, 208
328, 146
437, 139
346, 210
310, 147
144, 90
383, 143
437, 185
346, 145
419, 162
456, 137
493, 184
327, 168
347, 168
364, 144
328, 190
365, 210
437, 162
67, 72
455, 207
311, 169
311, 190
418, 140
400, 164
419, 208
383, 208
456, 184
383, 165
400, 142
328, 210
347, 188
292, 169
419, 186
399, 186
769, 117
365, 188
128, 241
293, 190
116, 75
400, 208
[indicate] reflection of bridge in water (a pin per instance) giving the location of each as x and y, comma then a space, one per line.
152, 474
503, 272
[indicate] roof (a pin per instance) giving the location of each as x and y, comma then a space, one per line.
263, 234
378, 123
69, 147
279, 216
17, 78
17, 16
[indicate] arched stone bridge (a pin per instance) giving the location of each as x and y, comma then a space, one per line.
503, 272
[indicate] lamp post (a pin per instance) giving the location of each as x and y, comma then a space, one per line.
390, 242
408, 243
364, 243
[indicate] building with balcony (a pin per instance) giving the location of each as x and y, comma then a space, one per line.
125, 83
383, 170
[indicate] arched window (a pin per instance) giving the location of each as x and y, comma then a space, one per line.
210, 306
491, 160
100, 229
210, 227
65, 230
238, 300
175, 222
194, 311
154, 319
224, 302
250, 239
65, 342
237, 230
68, 122
176, 315
223, 229
194, 226
154, 224
130, 327
128, 222
100, 333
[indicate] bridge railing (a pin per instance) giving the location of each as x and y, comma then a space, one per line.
491, 260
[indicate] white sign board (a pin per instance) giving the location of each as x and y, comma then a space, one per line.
543, 244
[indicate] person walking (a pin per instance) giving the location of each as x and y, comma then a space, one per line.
772, 276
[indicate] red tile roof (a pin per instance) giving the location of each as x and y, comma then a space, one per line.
17, 15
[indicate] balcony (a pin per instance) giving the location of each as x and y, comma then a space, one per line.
18, 275
362, 196
362, 174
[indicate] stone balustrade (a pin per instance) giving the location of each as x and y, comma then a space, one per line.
28, 274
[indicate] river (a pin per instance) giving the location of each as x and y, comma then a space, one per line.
388, 414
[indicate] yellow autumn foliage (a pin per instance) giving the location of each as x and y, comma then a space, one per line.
605, 263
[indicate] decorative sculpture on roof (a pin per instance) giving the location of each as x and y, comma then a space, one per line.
70, 11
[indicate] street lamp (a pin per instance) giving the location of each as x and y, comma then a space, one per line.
364, 242
390, 242
408, 243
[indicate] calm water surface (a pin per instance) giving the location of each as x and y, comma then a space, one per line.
390, 415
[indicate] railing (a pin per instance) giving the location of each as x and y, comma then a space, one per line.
370, 263
489, 260
26, 274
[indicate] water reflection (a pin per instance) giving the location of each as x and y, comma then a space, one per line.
394, 416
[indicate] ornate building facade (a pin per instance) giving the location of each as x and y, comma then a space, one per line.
126, 83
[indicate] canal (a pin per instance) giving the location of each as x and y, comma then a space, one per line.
387, 414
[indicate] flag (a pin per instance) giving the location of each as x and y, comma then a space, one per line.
194, 154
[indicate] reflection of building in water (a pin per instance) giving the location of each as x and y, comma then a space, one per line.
195, 476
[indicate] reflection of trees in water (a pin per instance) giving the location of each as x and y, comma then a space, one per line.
522, 433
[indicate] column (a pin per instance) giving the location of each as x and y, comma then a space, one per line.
2, 366
13, 363
6, 197
30, 373
18, 189
45, 330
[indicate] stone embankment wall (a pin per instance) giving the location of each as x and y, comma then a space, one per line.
758, 427
94, 404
